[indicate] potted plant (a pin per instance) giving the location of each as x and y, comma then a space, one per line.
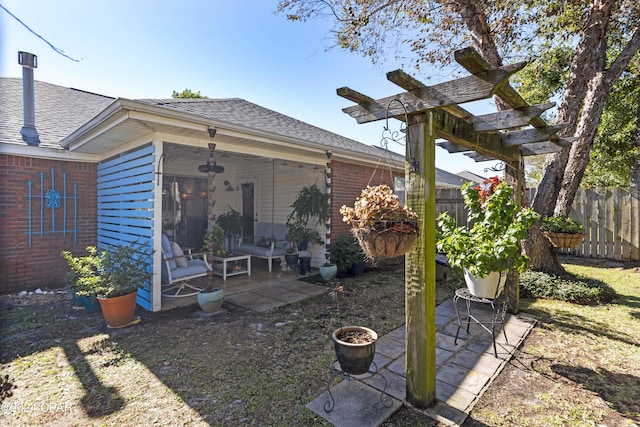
354, 346
119, 272
210, 298
310, 202
381, 223
82, 277
328, 270
491, 246
348, 255
562, 231
232, 224
303, 236
291, 256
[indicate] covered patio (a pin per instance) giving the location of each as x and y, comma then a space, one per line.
262, 291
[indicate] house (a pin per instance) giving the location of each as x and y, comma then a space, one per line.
105, 170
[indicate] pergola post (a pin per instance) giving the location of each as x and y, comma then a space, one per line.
434, 111
420, 265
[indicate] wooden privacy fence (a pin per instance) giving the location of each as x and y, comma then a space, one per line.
611, 218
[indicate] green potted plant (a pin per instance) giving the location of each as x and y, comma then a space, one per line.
310, 203
382, 224
210, 298
232, 224
291, 256
82, 278
491, 245
347, 254
302, 235
562, 231
119, 272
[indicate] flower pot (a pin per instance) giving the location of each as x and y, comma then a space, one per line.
564, 240
328, 272
118, 311
291, 260
305, 265
355, 358
490, 286
210, 302
77, 300
90, 304
356, 269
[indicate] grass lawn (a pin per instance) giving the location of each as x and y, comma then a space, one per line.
578, 367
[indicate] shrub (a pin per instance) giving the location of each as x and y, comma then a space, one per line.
570, 288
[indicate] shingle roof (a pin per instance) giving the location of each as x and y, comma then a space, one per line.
59, 110
244, 113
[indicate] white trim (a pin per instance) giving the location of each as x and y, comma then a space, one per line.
41, 152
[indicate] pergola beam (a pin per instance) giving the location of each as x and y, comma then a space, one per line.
460, 132
528, 136
509, 119
466, 89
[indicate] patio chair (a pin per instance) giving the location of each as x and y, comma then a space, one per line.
179, 268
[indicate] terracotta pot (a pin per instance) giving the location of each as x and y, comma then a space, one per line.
119, 311
210, 302
354, 359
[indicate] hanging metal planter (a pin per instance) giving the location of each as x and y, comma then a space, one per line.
386, 238
564, 240
383, 226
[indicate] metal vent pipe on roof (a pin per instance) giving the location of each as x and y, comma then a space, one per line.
29, 133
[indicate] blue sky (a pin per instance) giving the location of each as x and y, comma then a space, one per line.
222, 48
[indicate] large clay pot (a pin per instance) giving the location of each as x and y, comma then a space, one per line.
119, 311
354, 359
490, 286
211, 302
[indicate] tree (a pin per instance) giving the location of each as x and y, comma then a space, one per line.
187, 93
603, 36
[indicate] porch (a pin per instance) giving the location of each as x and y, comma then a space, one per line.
261, 291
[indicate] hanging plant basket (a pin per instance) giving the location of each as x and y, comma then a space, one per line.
383, 226
564, 240
386, 238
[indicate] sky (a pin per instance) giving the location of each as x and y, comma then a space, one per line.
222, 48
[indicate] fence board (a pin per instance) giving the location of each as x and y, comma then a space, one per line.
610, 218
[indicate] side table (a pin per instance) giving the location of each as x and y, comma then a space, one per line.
498, 311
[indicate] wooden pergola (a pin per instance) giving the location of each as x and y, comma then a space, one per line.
433, 112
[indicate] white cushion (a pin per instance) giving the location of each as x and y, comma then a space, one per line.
181, 261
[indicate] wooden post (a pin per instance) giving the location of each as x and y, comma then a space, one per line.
420, 265
514, 175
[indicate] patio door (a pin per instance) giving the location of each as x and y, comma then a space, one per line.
249, 208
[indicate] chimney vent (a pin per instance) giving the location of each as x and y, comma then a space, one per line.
29, 61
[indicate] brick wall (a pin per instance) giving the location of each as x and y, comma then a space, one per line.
24, 267
347, 181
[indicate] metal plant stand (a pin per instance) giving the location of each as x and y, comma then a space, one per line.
498, 311
336, 372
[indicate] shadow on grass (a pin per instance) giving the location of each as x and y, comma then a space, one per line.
573, 323
98, 400
619, 390
33, 329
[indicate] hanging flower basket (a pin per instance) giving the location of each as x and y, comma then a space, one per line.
564, 240
386, 239
383, 226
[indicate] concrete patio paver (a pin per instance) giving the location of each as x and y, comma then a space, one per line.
464, 370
